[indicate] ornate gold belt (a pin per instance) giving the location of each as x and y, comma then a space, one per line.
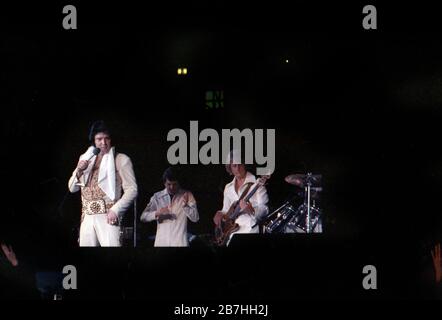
95, 206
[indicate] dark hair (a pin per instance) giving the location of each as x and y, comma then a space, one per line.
97, 127
247, 167
243, 162
171, 174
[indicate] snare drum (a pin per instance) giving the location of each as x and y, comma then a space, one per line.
298, 223
280, 218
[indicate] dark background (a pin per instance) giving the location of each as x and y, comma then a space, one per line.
360, 107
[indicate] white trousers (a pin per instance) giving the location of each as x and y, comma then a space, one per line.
95, 232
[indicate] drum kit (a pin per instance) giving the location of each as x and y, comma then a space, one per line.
299, 214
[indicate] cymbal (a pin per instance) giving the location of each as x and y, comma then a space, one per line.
294, 179
302, 180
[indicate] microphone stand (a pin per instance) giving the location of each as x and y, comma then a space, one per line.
135, 222
95, 152
60, 206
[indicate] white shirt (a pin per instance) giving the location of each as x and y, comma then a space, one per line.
258, 201
171, 233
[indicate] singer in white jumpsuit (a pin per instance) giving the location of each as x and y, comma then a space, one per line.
108, 188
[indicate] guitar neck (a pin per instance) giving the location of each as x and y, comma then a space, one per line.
251, 193
237, 212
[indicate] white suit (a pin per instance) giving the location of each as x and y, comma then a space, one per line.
94, 229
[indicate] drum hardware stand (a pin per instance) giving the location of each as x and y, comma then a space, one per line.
309, 175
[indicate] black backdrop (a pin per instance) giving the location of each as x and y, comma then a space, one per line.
359, 107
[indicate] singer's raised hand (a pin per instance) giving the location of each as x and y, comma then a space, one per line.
82, 165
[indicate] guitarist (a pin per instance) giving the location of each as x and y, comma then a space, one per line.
242, 181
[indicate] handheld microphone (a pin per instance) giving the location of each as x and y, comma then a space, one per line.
95, 152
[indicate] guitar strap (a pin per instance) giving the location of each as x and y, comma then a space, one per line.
249, 185
245, 192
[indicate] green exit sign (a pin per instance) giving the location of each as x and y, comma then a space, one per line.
214, 99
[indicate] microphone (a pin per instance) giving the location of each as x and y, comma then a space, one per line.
95, 152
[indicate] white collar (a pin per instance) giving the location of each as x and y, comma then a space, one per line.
250, 178
165, 193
